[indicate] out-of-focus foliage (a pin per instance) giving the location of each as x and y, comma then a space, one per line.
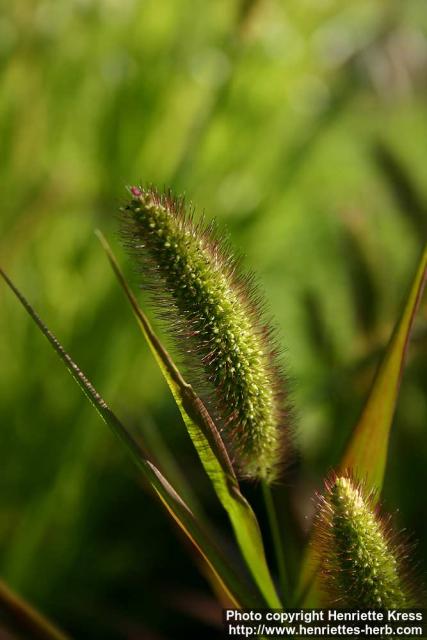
301, 126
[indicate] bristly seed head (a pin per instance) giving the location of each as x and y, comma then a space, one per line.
362, 562
216, 316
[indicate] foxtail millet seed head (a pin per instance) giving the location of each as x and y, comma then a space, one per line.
216, 316
363, 564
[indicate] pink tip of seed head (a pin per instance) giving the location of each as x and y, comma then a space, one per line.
136, 191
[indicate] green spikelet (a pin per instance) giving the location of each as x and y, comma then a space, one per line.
362, 564
215, 315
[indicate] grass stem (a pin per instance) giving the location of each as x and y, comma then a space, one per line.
277, 540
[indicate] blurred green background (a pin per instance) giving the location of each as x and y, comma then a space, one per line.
300, 125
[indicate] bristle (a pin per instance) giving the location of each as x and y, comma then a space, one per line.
363, 563
215, 313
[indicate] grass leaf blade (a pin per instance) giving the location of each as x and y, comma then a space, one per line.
365, 455
366, 451
176, 507
209, 446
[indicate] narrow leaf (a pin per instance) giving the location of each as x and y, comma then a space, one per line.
366, 451
170, 499
365, 455
209, 446
164, 459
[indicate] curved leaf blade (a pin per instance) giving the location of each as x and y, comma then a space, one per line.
209, 446
238, 593
366, 452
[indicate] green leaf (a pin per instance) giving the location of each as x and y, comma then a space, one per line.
173, 503
165, 459
365, 455
366, 451
210, 448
